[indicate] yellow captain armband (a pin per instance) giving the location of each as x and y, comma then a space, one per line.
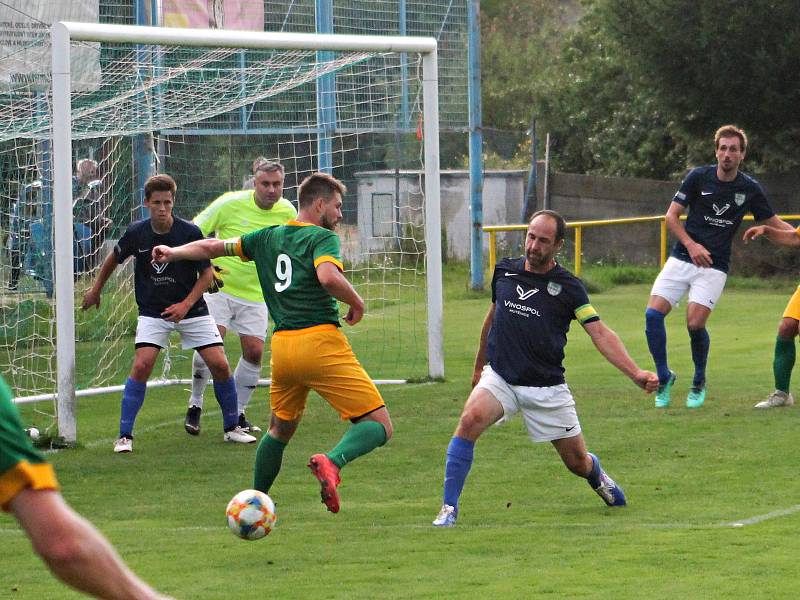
585, 313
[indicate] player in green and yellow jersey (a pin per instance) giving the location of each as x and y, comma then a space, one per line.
71, 547
300, 270
239, 305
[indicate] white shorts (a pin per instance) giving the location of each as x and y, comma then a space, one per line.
244, 317
195, 332
704, 284
549, 412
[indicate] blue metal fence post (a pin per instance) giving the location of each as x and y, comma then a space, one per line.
475, 145
326, 92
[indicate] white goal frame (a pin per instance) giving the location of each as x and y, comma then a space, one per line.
64, 33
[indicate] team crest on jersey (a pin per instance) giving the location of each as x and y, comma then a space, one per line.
553, 288
739, 198
159, 267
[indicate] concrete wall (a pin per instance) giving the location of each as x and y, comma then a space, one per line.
577, 197
585, 197
588, 197
502, 203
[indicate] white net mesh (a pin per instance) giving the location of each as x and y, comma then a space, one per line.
203, 115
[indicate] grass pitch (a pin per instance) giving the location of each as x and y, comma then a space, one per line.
714, 500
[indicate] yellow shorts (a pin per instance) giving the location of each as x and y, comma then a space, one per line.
318, 358
793, 308
37, 476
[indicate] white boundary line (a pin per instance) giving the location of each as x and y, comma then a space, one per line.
98, 443
207, 413
765, 517
294, 524
541, 525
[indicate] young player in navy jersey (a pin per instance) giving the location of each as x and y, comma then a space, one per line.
170, 298
717, 198
519, 365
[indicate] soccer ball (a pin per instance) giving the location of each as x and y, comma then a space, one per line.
251, 514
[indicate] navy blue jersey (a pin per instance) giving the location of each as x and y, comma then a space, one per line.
716, 209
158, 286
532, 316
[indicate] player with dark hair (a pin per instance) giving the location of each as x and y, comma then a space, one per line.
170, 298
717, 198
519, 364
239, 303
300, 270
71, 547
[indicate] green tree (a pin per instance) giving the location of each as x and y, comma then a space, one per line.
712, 62
519, 39
601, 116
637, 88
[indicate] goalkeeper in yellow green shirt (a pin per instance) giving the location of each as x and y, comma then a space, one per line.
239, 304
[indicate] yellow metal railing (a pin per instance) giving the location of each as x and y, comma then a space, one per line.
579, 225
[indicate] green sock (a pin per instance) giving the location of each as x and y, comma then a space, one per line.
783, 363
268, 462
358, 440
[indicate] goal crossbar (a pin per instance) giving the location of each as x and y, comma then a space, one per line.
221, 38
64, 33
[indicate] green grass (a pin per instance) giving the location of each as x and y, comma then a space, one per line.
527, 528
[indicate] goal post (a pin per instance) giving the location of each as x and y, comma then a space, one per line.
65, 34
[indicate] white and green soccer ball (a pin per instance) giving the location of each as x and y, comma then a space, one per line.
251, 514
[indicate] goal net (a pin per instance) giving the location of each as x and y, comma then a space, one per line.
123, 103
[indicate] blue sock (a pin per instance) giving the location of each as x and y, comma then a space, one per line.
594, 475
456, 468
656, 334
701, 342
225, 391
132, 400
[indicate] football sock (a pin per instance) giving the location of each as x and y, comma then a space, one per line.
594, 475
225, 392
460, 453
656, 334
700, 345
200, 378
132, 400
246, 378
362, 437
783, 362
269, 457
